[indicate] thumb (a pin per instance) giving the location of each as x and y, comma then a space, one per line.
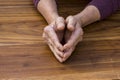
60, 23
71, 23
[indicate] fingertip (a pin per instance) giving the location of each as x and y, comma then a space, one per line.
60, 23
58, 57
61, 54
71, 27
71, 23
59, 46
60, 49
65, 58
66, 47
61, 61
60, 26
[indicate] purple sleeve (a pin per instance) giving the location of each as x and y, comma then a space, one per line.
106, 7
36, 2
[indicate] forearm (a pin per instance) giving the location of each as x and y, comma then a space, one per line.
48, 9
97, 10
89, 15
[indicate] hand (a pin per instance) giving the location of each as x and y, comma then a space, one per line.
53, 35
73, 36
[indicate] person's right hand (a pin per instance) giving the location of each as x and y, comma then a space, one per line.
53, 35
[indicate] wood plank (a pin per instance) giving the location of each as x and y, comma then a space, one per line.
24, 55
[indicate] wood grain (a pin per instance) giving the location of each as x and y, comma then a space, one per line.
25, 56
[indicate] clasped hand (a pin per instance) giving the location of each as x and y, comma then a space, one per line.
62, 36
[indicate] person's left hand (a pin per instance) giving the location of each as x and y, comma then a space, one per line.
73, 36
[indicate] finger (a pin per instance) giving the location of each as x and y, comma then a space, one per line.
55, 49
56, 52
60, 23
53, 36
71, 23
68, 53
44, 36
75, 38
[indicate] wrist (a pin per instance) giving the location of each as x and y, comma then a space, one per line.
79, 20
52, 18
89, 15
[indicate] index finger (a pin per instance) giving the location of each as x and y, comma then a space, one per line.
49, 30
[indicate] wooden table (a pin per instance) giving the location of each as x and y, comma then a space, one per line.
25, 56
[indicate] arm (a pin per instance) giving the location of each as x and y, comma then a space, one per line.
89, 15
48, 9
53, 33
97, 10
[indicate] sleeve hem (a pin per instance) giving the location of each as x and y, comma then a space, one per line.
36, 2
105, 7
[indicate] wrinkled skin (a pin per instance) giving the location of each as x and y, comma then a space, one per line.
68, 31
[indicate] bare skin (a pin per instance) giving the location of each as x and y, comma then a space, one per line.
54, 36
56, 30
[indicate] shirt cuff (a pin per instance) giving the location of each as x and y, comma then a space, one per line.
105, 7
36, 2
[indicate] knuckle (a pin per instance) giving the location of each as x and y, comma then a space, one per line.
70, 44
61, 18
71, 20
47, 29
70, 16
